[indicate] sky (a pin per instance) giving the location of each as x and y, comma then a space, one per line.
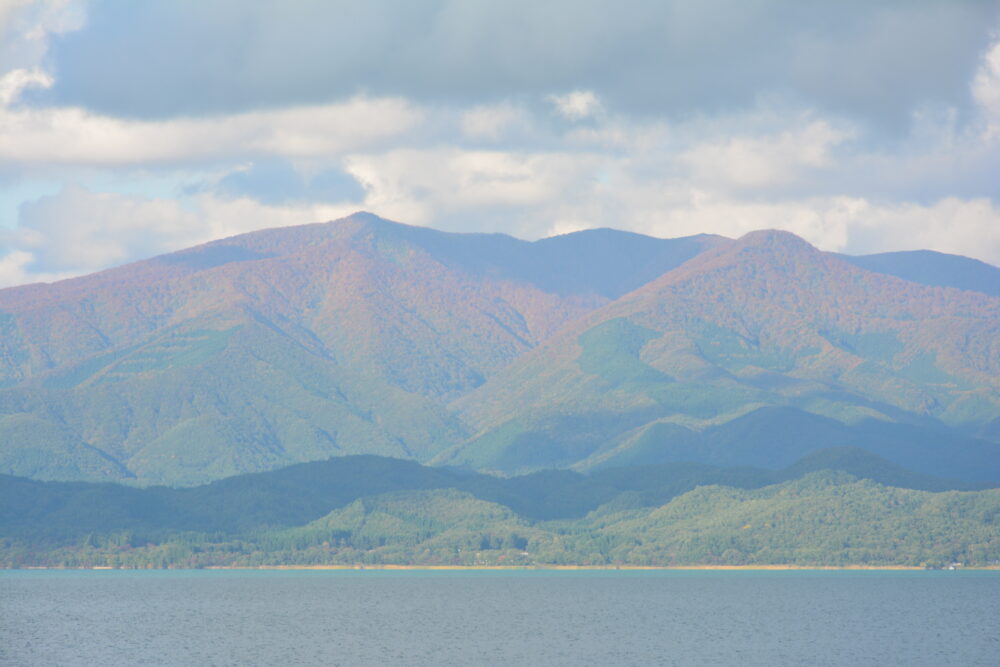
130, 129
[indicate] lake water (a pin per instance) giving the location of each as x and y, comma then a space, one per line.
499, 617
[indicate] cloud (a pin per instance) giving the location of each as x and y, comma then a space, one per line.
277, 181
963, 227
986, 91
755, 161
469, 189
76, 136
874, 62
15, 270
576, 105
27, 27
16, 81
490, 122
8, 11
681, 118
78, 231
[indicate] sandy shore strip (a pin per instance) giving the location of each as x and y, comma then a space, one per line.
525, 568
563, 568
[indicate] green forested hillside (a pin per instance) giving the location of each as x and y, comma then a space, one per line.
824, 518
827, 509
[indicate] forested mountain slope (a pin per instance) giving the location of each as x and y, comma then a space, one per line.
754, 353
592, 349
287, 345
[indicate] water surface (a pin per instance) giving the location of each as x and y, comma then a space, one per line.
372, 617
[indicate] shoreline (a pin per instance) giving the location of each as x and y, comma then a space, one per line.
558, 568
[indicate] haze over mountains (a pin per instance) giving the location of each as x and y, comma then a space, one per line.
588, 350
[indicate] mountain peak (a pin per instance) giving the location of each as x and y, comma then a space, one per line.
363, 216
772, 238
779, 251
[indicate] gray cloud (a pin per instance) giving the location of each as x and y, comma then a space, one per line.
873, 61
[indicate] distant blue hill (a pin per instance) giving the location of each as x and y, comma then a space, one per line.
937, 269
607, 262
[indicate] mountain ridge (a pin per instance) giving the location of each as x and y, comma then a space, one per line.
364, 335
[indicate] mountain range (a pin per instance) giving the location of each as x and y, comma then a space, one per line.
586, 351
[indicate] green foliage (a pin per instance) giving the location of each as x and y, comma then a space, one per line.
733, 351
924, 369
822, 519
368, 510
611, 350
703, 400
42, 448
876, 345
658, 443
188, 413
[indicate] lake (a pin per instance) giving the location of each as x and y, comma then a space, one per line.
417, 617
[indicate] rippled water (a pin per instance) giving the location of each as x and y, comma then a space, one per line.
488, 617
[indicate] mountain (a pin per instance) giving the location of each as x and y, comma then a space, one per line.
937, 269
777, 436
588, 350
754, 352
288, 345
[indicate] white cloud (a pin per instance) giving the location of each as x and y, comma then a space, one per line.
615, 136
491, 122
959, 226
986, 90
78, 231
753, 161
81, 231
419, 185
577, 105
26, 25
74, 136
16, 81
15, 270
